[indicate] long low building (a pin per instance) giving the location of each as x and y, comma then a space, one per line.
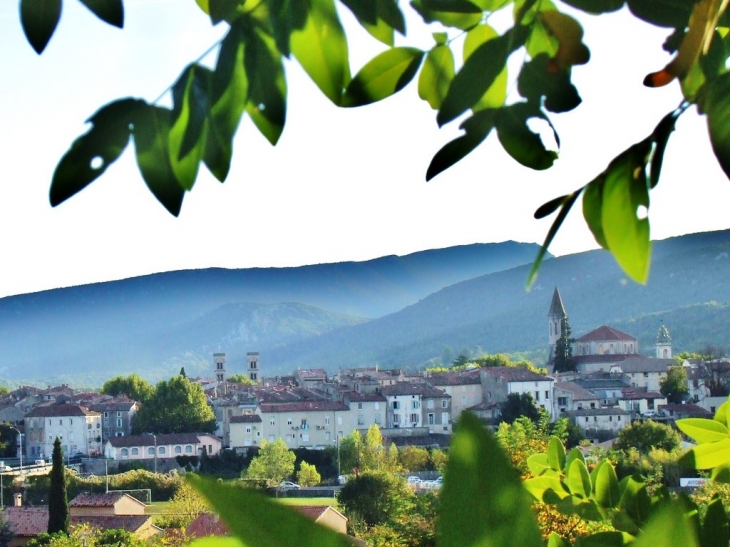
149, 447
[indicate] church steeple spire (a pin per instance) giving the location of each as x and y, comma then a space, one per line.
556, 316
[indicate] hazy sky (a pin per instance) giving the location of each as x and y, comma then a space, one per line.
340, 185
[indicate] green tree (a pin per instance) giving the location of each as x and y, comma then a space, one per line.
131, 386
563, 360
58, 514
643, 436
241, 379
176, 406
674, 385
350, 449
274, 462
517, 405
414, 458
438, 459
186, 504
182, 372
376, 497
308, 475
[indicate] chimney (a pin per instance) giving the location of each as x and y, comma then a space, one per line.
17, 500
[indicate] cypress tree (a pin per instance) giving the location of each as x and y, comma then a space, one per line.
57, 497
563, 361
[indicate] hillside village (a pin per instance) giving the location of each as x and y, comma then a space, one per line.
613, 384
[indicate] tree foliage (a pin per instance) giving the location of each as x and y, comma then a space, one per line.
186, 504
176, 406
414, 458
532, 53
519, 405
274, 462
645, 436
674, 385
563, 359
308, 475
376, 497
58, 513
131, 386
241, 379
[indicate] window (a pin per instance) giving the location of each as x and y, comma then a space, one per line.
415, 404
60, 421
119, 414
537, 396
547, 394
377, 405
125, 453
414, 418
70, 421
178, 449
431, 419
188, 449
119, 422
610, 418
106, 424
444, 403
359, 406
88, 426
135, 451
377, 419
429, 404
396, 405
646, 375
396, 418
619, 419
562, 401
161, 450
304, 424
272, 438
248, 429
151, 451
326, 420
289, 421
586, 418
106, 414
339, 420
273, 421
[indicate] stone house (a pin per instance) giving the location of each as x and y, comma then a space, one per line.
499, 382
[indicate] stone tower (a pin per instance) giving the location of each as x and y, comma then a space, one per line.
219, 360
663, 343
556, 315
253, 365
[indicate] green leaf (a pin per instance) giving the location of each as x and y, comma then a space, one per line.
565, 206
624, 191
587, 509
436, 75
477, 129
569, 33
556, 541
721, 414
478, 73
668, 527
321, 48
635, 501
216, 541
604, 539
91, 154
596, 6
540, 78
593, 209
109, 11
556, 454
538, 464
661, 137
39, 19
229, 94
151, 142
366, 11
547, 209
714, 531
579, 481
258, 520
266, 84
716, 104
546, 488
721, 473
662, 13
189, 114
451, 13
390, 12
383, 76
518, 139
707, 456
702, 430
496, 94
286, 17
482, 501
605, 485
221, 10
574, 454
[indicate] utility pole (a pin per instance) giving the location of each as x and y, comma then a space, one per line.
155, 439
20, 443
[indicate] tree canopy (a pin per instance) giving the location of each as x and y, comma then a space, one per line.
58, 512
131, 386
465, 75
643, 436
674, 385
176, 406
274, 462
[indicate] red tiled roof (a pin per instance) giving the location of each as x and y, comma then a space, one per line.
408, 388
149, 440
245, 419
454, 378
303, 406
60, 410
516, 374
206, 524
130, 523
605, 333
356, 397
27, 521
107, 499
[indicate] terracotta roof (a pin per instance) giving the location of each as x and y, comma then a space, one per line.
113, 405
107, 499
246, 419
27, 521
516, 374
687, 409
613, 411
601, 358
356, 397
312, 373
130, 523
454, 378
606, 333
206, 524
579, 392
634, 394
62, 410
407, 388
148, 440
639, 363
303, 406
316, 512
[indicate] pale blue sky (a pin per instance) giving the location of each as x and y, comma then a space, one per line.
341, 184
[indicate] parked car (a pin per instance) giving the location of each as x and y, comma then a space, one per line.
288, 485
413, 479
5, 469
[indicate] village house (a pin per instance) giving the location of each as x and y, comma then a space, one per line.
464, 387
499, 382
417, 405
162, 446
594, 420
117, 415
78, 428
305, 424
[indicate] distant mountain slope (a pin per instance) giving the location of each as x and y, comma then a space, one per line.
689, 289
148, 322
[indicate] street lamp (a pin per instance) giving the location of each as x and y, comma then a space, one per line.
20, 442
155, 439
